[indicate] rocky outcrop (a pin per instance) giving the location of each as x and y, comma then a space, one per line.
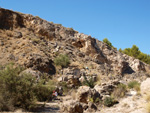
43, 64
84, 93
105, 89
145, 87
72, 107
10, 20
29, 71
78, 46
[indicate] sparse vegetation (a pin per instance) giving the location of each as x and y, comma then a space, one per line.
105, 40
97, 100
109, 101
120, 91
64, 86
35, 40
89, 82
134, 85
62, 60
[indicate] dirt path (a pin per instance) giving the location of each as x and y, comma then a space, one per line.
53, 106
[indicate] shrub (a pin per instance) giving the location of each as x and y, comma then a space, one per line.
96, 100
134, 85
135, 52
35, 40
64, 86
109, 101
62, 60
21, 91
91, 100
120, 91
105, 40
43, 91
16, 90
89, 82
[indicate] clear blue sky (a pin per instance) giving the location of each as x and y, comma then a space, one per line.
123, 22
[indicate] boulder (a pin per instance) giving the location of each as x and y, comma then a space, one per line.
37, 74
84, 93
91, 108
63, 78
106, 88
41, 63
137, 65
72, 106
145, 87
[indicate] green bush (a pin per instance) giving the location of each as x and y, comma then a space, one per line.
134, 85
136, 53
21, 91
105, 40
120, 91
89, 82
109, 101
43, 92
97, 100
62, 60
16, 91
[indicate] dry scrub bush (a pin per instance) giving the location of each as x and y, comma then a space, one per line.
62, 60
120, 91
16, 91
20, 91
134, 85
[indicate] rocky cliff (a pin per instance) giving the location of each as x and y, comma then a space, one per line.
33, 42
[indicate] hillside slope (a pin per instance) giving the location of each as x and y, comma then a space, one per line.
28, 40
34, 43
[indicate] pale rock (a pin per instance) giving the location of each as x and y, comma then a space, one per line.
145, 86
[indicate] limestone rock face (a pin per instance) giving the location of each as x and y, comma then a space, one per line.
88, 45
24, 34
145, 86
